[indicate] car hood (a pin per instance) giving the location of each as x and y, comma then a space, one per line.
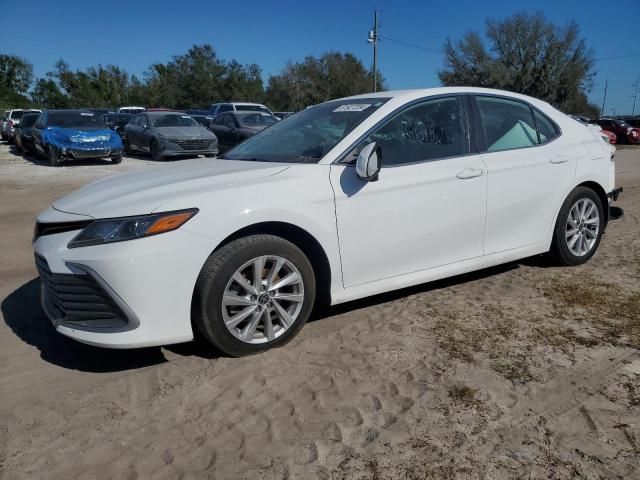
184, 132
146, 190
81, 135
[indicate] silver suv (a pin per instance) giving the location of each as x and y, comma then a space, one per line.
217, 108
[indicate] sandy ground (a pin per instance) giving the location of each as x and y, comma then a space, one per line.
520, 371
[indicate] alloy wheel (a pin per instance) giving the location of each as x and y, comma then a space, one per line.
582, 227
263, 299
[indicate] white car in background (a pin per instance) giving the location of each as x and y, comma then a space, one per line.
131, 110
344, 200
12, 119
218, 108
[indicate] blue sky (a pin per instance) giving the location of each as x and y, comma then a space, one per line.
136, 33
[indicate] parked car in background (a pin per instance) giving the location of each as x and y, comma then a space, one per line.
166, 134
203, 117
99, 111
131, 110
608, 136
117, 121
3, 122
633, 121
62, 135
625, 133
13, 118
281, 115
233, 128
24, 132
350, 198
218, 108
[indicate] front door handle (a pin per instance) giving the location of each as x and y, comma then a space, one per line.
559, 159
470, 173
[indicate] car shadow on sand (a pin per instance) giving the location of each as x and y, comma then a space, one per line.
24, 315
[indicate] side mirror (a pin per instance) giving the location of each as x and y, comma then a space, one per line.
369, 162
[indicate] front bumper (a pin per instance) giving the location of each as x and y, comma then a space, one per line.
194, 147
122, 295
81, 154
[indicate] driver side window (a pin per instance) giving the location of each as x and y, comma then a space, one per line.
229, 121
430, 130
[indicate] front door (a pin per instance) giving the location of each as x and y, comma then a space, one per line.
427, 208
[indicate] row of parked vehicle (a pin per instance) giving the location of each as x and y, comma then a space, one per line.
63, 135
615, 130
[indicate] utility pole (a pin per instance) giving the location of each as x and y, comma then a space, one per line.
373, 38
605, 97
635, 95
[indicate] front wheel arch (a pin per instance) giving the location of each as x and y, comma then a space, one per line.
302, 239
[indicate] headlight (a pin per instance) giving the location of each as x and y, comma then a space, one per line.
110, 230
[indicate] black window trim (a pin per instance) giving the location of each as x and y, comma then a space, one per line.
479, 127
472, 145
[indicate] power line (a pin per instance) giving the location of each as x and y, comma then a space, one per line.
413, 45
617, 56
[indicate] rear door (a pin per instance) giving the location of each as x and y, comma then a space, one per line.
530, 166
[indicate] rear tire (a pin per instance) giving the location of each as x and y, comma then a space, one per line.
54, 158
579, 228
267, 318
116, 160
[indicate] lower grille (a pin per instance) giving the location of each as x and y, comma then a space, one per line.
198, 144
78, 300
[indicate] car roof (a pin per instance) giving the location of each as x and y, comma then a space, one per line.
415, 94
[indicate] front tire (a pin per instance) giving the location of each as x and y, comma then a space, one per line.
117, 159
154, 148
579, 228
253, 294
54, 158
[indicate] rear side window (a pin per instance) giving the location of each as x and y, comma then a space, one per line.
507, 124
225, 108
547, 130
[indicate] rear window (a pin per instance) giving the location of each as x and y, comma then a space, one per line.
16, 114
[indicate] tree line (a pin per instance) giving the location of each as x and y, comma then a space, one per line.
524, 53
191, 80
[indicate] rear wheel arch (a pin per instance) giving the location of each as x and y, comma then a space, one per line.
602, 194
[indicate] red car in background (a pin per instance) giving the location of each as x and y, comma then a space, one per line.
625, 132
610, 136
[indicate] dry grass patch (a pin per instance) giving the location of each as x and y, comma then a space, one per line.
605, 305
463, 394
515, 369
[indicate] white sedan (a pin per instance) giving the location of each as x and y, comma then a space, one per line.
343, 200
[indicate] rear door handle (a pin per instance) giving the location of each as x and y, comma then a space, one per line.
470, 173
559, 159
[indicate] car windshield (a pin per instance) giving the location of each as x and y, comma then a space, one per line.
29, 119
172, 120
81, 120
256, 119
622, 123
307, 136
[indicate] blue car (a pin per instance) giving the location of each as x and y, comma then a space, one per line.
63, 135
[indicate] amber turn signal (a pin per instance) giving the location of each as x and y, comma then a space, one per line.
169, 222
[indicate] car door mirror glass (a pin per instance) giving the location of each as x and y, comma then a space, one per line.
369, 162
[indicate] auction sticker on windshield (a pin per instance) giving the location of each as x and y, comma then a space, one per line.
353, 107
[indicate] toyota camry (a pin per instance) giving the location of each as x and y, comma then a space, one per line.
344, 200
